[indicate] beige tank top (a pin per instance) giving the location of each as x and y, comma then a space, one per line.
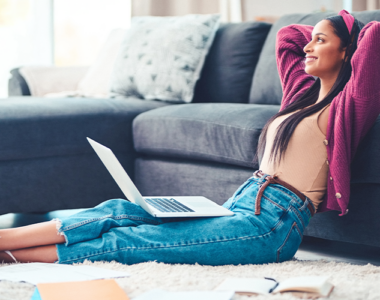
304, 162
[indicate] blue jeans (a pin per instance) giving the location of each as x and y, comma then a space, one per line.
118, 230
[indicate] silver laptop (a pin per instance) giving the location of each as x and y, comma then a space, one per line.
168, 206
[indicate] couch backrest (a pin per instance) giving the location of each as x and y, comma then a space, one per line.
266, 86
229, 66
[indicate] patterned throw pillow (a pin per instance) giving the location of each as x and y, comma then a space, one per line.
161, 57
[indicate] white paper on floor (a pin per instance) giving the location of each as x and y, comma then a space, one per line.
157, 294
43, 273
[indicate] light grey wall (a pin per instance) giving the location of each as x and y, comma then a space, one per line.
251, 9
173, 7
359, 5
257, 8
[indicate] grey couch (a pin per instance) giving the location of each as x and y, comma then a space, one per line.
204, 148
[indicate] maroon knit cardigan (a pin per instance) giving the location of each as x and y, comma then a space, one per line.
352, 112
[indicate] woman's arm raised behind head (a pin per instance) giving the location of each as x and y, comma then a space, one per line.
365, 78
361, 95
290, 61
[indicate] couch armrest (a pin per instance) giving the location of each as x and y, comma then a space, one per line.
17, 85
41, 80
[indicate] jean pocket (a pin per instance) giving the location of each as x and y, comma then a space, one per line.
290, 245
298, 216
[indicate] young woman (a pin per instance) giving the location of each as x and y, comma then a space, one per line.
305, 152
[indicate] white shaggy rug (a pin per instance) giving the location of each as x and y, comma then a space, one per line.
351, 281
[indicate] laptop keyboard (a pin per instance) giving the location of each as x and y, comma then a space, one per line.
168, 205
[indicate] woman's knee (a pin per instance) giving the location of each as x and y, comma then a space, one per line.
116, 204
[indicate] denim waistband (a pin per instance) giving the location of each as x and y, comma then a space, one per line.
304, 201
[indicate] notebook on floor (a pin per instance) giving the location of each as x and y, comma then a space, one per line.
168, 206
80, 290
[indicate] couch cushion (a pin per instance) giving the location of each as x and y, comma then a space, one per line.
367, 16
365, 167
168, 176
227, 73
359, 226
162, 57
226, 133
269, 91
38, 127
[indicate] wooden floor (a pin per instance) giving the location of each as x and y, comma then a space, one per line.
310, 249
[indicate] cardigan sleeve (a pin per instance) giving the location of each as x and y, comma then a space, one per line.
290, 61
364, 84
352, 114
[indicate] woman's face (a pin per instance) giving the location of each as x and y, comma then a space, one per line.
324, 55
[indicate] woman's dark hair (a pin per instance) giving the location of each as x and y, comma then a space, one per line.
287, 127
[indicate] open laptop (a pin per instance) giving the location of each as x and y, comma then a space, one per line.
169, 206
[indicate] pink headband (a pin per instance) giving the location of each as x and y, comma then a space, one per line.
348, 19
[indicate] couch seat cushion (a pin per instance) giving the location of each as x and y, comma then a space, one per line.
223, 132
38, 127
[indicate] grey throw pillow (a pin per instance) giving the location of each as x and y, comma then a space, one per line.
161, 58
